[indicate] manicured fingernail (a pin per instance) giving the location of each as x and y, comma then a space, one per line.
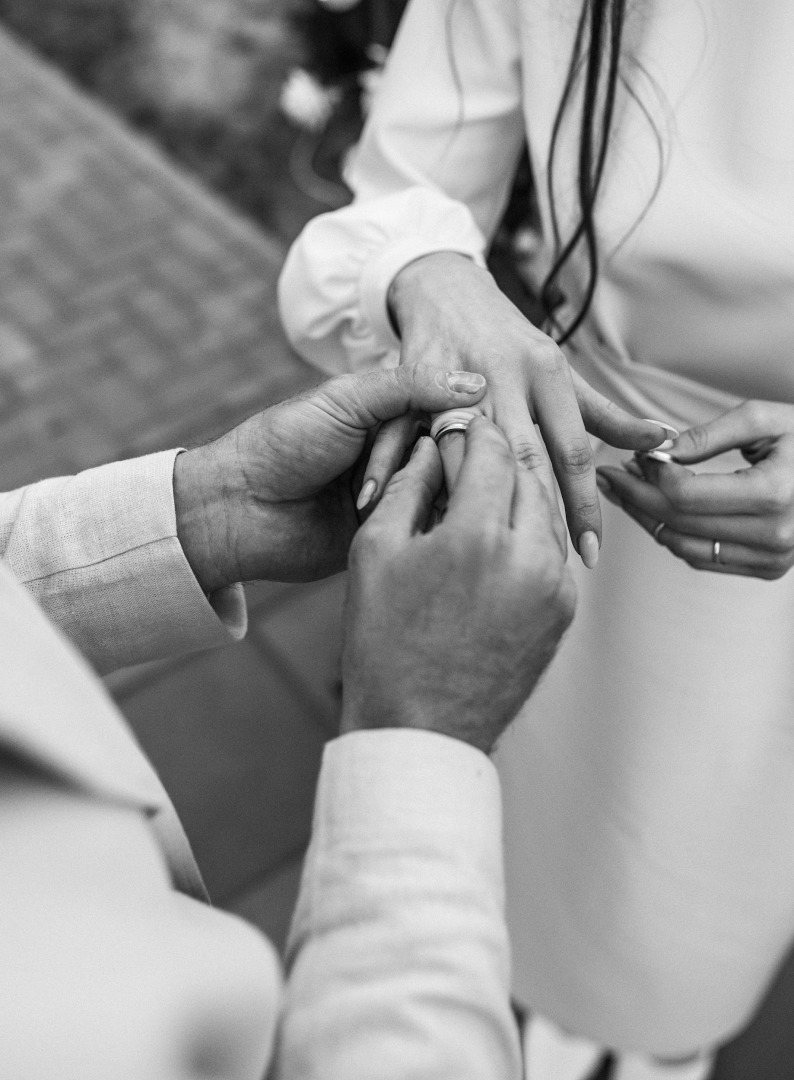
632, 467
657, 454
671, 432
588, 549
602, 483
464, 382
366, 494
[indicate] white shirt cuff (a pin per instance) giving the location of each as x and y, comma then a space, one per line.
396, 786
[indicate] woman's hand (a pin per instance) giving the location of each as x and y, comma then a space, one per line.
452, 315
729, 523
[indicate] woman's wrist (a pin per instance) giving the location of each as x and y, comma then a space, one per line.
418, 282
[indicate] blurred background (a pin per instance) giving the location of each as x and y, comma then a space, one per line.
158, 157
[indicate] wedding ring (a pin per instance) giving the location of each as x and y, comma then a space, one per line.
715, 551
451, 420
657, 531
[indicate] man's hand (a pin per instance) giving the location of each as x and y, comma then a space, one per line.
275, 498
450, 629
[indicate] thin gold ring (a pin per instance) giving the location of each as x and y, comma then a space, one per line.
657, 531
715, 551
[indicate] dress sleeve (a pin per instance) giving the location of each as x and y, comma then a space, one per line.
99, 552
432, 173
398, 956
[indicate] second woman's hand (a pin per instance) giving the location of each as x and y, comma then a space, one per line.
451, 314
729, 523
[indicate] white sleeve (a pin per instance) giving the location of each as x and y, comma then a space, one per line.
432, 173
398, 958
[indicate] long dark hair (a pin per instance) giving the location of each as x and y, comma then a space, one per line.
596, 58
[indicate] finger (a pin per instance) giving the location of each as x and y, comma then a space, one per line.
701, 553
452, 447
361, 401
740, 529
558, 416
407, 502
512, 415
773, 533
745, 491
534, 516
387, 455
741, 426
613, 425
485, 484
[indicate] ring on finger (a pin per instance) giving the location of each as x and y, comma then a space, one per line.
451, 420
657, 531
715, 551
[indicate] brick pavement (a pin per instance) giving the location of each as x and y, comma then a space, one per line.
135, 309
137, 312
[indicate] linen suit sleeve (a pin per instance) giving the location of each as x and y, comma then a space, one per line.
99, 552
108, 972
432, 173
398, 957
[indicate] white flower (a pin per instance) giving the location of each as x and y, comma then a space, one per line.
306, 101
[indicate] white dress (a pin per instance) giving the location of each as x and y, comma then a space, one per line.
650, 783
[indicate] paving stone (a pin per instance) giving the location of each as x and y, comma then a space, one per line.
141, 301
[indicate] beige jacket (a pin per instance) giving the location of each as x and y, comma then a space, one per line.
398, 963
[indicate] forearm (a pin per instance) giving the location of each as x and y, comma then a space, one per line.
399, 951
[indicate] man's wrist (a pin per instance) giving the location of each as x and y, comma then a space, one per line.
203, 492
474, 733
